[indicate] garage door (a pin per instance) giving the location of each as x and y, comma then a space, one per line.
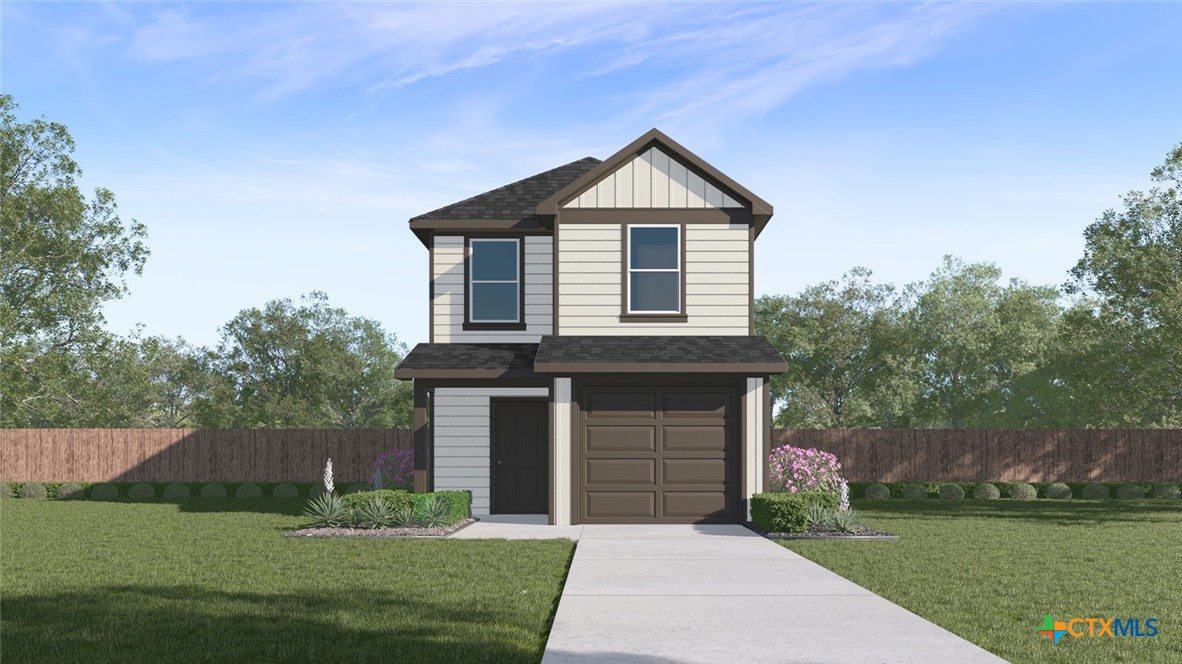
657, 454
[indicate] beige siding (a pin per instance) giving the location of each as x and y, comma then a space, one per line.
590, 290
449, 293
653, 179
461, 431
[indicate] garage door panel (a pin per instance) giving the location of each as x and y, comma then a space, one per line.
602, 404
603, 438
682, 504
711, 472
621, 471
696, 404
621, 504
711, 438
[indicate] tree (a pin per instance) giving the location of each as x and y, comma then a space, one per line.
63, 257
307, 366
841, 342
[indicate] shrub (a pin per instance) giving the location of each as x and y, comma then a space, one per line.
1022, 491
177, 491
248, 491
141, 491
5, 490
915, 491
69, 491
104, 491
793, 469
395, 499
358, 487
285, 491
986, 491
34, 490
787, 512
459, 503
374, 513
327, 510
1095, 491
394, 469
951, 492
433, 511
1130, 491
213, 491
1167, 491
403, 518
877, 492
1058, 491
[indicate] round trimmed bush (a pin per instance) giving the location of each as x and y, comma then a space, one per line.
1022, 491
34, 490
1167, 491
986, 491
68, 491
951, 492
358, 487
1058, 491
877, 491
104, 491
915, 492
177, 491
214, 491
1095, 492
285, 491
1130, 491
248, 491
5, 490
141, 491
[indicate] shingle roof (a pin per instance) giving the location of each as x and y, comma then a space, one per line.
462, 360
514, 201
651, 354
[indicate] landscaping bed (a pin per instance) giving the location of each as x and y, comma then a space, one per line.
415, 531
865, 533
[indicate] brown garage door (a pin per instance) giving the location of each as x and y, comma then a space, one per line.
657, 454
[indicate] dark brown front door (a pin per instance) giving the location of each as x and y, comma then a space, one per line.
658, 453
520, 438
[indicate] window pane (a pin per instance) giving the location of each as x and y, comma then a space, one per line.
494, 261
654, 247
656, 291
494, 302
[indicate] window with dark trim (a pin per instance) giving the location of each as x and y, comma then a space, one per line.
494, 280
654, 269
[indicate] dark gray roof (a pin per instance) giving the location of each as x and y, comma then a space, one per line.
514, 201
650, 354
462, 360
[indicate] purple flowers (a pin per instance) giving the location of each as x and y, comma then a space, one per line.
793, 469
394, 470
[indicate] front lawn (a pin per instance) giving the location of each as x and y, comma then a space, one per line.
213, 581
990, 570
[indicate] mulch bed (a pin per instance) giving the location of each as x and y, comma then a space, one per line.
381, 532
815, 533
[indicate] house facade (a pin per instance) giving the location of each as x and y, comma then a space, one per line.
592, 352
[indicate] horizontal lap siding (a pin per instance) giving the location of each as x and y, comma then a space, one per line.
448, 318
717, 273
461, 438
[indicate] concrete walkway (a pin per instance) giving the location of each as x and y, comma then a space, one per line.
712, 594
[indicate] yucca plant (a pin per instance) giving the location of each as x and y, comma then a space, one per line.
817, 514
432, 512
375, 513
403, 518
846, 522
327, 511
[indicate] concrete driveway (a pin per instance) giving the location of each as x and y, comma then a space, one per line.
711, 594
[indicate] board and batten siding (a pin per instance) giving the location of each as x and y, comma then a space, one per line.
461, 438
653, 179
449, 287
717, 280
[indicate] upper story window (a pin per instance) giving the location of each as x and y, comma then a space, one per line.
654, 270
494, 280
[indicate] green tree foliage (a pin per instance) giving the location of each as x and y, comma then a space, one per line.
63, 257
312, 365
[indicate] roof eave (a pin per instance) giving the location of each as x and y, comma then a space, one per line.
745, 368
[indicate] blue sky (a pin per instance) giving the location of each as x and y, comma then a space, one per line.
273, 149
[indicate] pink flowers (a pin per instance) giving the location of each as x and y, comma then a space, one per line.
394, 470
794, 469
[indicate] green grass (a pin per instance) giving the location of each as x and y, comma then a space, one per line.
213, 581
990, 570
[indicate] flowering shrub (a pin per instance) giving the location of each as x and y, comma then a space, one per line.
794, 469
394, 470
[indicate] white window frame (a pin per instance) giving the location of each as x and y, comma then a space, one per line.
630, 269
472, 279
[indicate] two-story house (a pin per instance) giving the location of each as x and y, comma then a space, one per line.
592, 350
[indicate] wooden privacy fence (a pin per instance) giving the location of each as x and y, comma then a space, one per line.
192, 455
1000, 455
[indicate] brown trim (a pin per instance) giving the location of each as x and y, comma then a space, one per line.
767, 427
751, 282
492, 472
422, 442
406, 374
512, 381
551, 205
552, 503
625, 256
745, 368
744, 489
468, 325
653, 318
656, 216
431, 287
529, 224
